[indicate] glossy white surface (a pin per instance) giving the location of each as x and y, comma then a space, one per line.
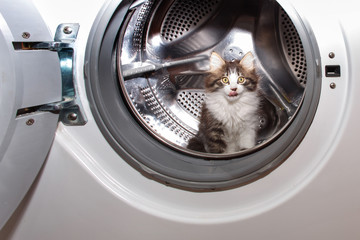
86, 191
23, 85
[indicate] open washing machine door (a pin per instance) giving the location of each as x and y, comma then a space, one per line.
36, 88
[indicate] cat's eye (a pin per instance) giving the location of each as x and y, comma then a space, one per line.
241, 80
225, 80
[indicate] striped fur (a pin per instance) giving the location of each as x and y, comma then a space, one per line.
229, 116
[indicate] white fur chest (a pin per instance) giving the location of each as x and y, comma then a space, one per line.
233, 113
240, 117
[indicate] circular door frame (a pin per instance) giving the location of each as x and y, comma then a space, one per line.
161, 163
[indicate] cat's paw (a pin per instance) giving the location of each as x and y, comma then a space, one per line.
247, 143
215, 148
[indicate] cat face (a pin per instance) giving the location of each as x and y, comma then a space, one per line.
231, 78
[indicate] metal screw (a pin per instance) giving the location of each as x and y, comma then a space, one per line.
332, 85
331, 55
72, 116
26, 35
30, 122
67, 30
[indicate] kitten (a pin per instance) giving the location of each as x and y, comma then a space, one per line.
229, 115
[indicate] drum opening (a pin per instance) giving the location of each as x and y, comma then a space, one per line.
163, 56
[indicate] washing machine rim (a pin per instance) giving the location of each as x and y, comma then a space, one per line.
160, 162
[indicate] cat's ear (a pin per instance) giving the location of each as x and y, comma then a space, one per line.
248, 61
216, 62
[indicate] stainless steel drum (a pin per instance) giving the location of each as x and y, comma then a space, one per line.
163, 54
145, 66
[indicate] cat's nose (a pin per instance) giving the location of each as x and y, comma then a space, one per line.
233, 89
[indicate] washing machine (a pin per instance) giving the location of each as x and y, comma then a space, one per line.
99, 100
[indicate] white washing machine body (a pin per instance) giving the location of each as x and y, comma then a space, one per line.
85, 190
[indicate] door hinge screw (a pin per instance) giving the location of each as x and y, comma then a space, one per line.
30, 122
72, 116
67, 30
26, 35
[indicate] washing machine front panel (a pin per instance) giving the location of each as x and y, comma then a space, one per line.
30, 79
301, 167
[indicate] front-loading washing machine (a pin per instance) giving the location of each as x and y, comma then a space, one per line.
99, 100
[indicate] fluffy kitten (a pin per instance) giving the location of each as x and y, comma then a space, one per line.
229, 116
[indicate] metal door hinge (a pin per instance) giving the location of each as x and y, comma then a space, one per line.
70, 108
